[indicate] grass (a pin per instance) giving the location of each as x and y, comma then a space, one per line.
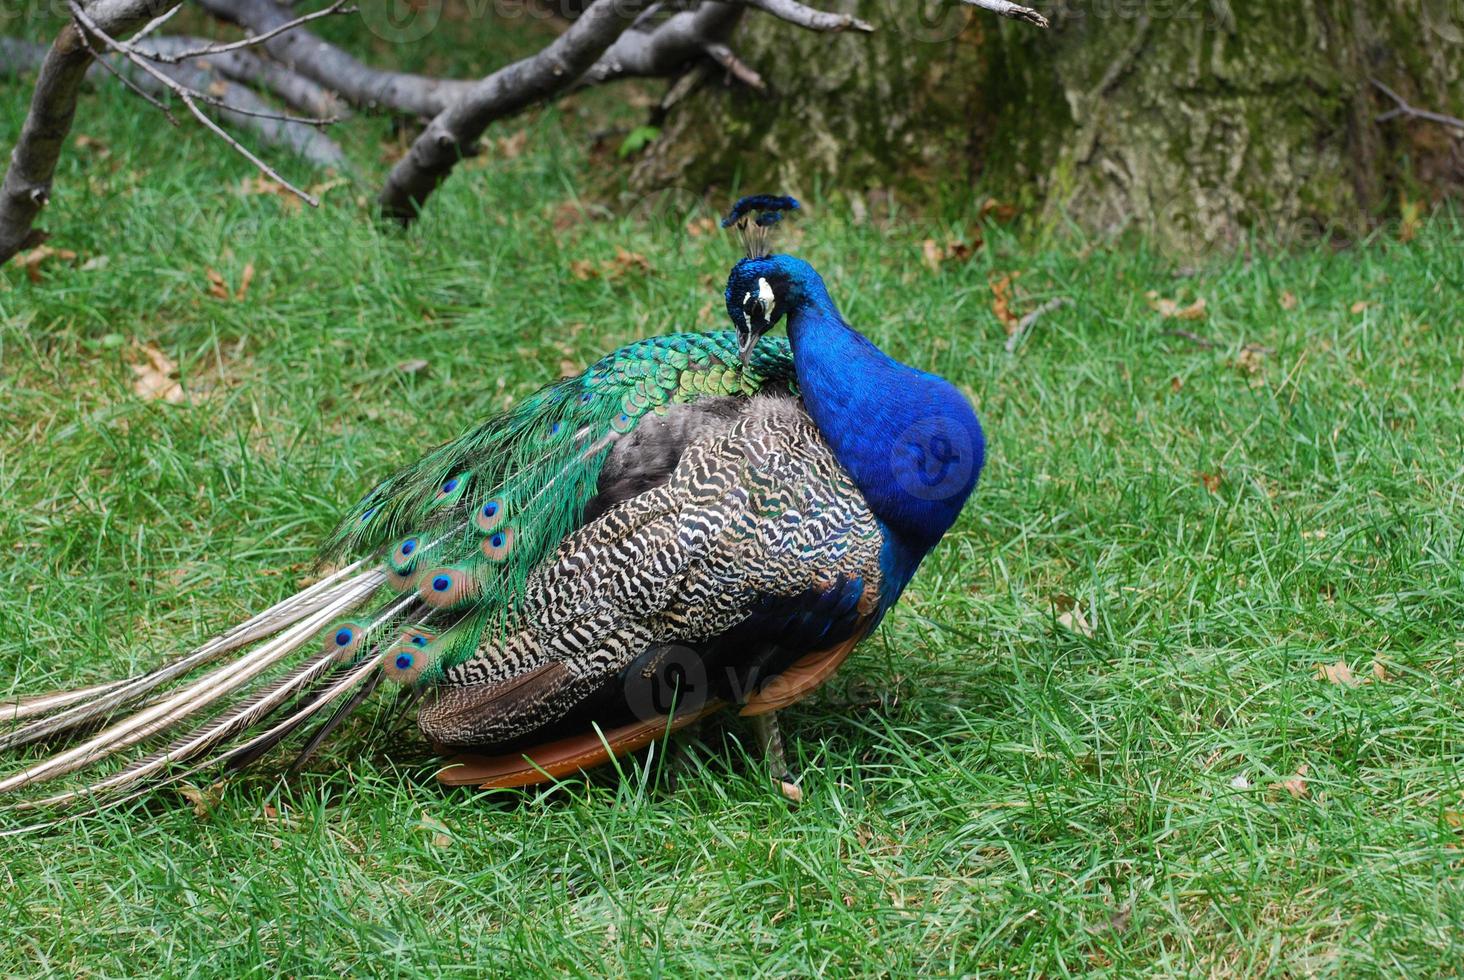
1067, 749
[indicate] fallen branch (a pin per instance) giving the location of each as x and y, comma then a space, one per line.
451, 134
1402, 108
303, 52
191, 98
208, 50
241, 108
247, 67
27, 185
304, 140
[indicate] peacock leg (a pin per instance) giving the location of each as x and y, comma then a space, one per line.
770, 740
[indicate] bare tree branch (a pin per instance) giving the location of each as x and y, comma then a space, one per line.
1013, 10
339, 7
814, 20
304, 52
1402, 108
18, 56
241, 108
27, 184
190, 99
452, 133
247, 67
661, 50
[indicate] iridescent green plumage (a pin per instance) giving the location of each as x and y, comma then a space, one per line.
477, 515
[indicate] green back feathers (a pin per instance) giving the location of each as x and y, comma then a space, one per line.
463, 527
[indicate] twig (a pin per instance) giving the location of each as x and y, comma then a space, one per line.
155, 23
1402, 108
128, 83
1013, 10
140, 57
1191, 336
188, 96
1026, 322
818, 20
339, 7
245, 66
735, 66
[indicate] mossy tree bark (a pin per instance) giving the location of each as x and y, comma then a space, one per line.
1193, 120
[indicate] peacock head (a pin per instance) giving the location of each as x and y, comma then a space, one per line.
762, 287
760, 292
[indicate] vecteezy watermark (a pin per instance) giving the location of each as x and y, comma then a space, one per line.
931, 21
934, 458
401, 21
667, 679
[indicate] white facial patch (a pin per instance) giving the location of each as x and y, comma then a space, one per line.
765, 295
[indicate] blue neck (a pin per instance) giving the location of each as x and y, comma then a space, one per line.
909, 439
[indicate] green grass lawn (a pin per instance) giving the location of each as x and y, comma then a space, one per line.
1074, 746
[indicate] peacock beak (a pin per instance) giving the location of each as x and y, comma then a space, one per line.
746, 343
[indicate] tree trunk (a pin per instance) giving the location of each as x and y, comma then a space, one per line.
1192, 120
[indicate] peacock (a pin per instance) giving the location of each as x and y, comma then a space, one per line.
698, 522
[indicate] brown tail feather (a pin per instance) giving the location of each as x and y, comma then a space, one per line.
564, 756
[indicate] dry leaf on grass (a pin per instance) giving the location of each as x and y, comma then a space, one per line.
92, 145
1211, 481
1001, 302
625, 263
153, 376
1296, 785
415, 366
954, 250
512, 147
217, 288
1288, 300
1070, 615
1074, 620
1359, 306
204, 800
566, 215
32, 260
441, 836
1337, 673
998, 210
1250, 360
1171, 309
